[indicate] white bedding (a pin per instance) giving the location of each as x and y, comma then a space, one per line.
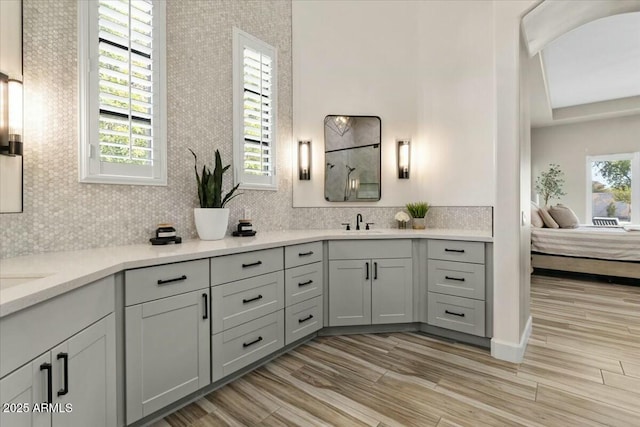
587, 242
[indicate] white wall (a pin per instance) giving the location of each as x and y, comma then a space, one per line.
456, 113
426, 68
509, 300
569, 145
11, 38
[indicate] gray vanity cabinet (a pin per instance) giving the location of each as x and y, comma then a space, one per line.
370, 282
349, 293
457, 287
87, 397
75, 374
303, 290
392, 291
248, 309
167, 344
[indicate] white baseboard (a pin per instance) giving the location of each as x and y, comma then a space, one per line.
508, 351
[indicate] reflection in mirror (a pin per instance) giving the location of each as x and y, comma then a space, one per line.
352, 158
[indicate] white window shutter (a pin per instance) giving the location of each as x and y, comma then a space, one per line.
254, 112
125, 111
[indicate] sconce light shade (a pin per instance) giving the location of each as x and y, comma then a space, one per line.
10, 116
14, 92
4, 109
304, 160
404, 158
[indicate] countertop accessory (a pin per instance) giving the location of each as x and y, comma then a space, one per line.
244, 233
418, 211
402, 219
245, 228
165, 233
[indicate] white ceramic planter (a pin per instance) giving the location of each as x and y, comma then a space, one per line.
211, 223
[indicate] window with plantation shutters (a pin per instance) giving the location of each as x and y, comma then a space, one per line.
122, 75
254, 98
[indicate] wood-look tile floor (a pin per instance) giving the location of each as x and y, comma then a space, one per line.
581, 368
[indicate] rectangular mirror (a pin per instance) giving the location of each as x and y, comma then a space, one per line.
352, 158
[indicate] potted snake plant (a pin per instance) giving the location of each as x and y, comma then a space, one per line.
212, 217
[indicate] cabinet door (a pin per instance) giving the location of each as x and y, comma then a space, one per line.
392, 291
167, 351
349, 292
24, 388
84, 377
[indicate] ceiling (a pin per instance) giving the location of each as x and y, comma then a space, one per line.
590, 72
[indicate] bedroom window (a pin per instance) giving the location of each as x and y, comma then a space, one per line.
122, 92
613, 187
254, 112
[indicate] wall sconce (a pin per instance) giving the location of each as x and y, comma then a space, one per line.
304, 160
404, 158
10, 116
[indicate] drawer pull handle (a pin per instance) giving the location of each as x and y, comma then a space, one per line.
308, 282
375, 271
205, 315
309, 317
65, 376
247, 301
175, 279
247, 344
253, 264
459, 279
454, 313
305, 253
367, 278
47, 367
460, 251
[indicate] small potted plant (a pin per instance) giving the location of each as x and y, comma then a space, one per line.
212, 218
418, 211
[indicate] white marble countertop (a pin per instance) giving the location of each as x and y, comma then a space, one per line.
31, 279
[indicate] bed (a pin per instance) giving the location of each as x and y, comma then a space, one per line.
610, 251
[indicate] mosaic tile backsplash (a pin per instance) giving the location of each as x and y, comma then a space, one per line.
61, 214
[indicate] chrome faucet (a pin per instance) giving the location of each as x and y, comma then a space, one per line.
358, 221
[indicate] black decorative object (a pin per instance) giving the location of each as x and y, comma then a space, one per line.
165, 233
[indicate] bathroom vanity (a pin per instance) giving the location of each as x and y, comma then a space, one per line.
133, 332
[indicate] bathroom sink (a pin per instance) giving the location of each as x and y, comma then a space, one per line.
17, 279
361, 231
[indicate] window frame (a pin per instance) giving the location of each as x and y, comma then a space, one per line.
635, 182
90, 168
248, 181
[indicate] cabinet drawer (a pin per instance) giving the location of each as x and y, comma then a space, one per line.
454, 250
456, 313
305, 253
238, 302
456, 278
367, 249
150, 283
303, 319
240, 346
302, 283
240, 266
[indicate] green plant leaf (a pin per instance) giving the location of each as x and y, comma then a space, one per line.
210, 184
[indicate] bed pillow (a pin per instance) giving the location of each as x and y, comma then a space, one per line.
564, 216
536, 219
548, 219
